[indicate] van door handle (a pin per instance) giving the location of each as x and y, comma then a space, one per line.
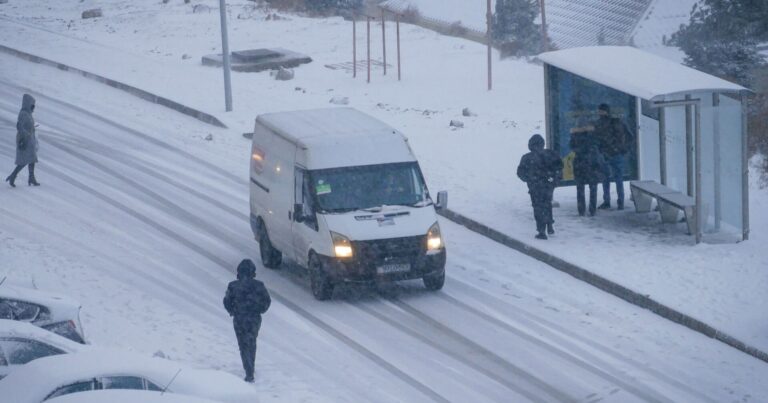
290, 217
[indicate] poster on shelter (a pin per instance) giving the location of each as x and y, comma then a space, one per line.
574, 111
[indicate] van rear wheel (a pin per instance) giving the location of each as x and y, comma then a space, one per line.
322, 287
434, 282
270, 257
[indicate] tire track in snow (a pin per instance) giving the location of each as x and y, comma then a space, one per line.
563, 336
375, 358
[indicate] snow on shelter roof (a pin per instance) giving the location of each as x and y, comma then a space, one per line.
339, 137
636, 72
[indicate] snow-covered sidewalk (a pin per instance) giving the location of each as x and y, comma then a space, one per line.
142, 43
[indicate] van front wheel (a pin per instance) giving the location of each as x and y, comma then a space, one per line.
270, 257
434, 282
322, 287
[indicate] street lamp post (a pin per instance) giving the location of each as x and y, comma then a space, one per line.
225, 54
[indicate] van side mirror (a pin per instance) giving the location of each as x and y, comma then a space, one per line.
298, 212
442, 200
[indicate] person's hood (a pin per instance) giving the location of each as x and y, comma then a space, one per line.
27, 101
536, 143
246, 269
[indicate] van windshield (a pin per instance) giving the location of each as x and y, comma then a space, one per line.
338, 190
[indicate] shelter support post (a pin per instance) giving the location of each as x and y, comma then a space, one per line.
744, 169
689, 147
697, 140
716, 152
663, 146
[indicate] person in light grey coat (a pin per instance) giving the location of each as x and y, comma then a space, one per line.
26, 142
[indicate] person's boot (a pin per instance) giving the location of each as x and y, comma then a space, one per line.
541, 235
620, 204
605, 206
550, 229
11, 179
32, 181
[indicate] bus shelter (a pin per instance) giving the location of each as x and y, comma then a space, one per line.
689, 128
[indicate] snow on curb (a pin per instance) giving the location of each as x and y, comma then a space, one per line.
145, 95
643, 301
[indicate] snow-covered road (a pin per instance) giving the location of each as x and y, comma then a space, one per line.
145, 227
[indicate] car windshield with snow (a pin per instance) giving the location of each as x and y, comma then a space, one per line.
21, 343
52, 312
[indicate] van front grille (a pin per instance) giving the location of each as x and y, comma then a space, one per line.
394, 249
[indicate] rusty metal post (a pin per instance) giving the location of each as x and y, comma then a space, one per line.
384, 40
368, 40
398, 45
544, 40
489, 18
354, 46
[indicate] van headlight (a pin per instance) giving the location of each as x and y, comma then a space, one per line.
342, 247
434, 238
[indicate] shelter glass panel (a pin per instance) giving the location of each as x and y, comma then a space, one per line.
677, 174
573, 108
730, 168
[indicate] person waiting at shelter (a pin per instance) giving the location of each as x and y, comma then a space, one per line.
540, 169
613, 140
588, 167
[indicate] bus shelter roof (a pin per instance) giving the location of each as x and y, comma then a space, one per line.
636, 72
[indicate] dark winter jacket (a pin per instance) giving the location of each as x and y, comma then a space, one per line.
246, 297
540, 168
26, 141
613, 137
589, 164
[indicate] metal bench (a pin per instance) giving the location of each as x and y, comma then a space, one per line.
669, 200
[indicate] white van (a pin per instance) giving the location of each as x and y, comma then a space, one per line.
341, 194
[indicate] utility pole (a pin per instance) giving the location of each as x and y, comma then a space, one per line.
489, 18
225, 49
544, 41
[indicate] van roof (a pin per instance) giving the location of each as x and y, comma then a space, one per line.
338, 137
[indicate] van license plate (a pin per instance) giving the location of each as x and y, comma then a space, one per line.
393, 268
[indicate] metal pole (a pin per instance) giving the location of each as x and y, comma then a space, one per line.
544, 41
225, 54
489, 18
354, 46
689, 148
398, 45
368, 40
699, 204
663, 146
384, 40
716, 151
744, 169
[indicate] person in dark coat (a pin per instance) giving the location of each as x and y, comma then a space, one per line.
541, 170
26, 142
614, 141
588, 168
246, 300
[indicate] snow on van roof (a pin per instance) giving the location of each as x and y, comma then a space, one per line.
636, 72
340, 137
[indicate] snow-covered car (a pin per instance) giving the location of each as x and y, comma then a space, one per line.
127, 396
22, 342
52, 312
59, 375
